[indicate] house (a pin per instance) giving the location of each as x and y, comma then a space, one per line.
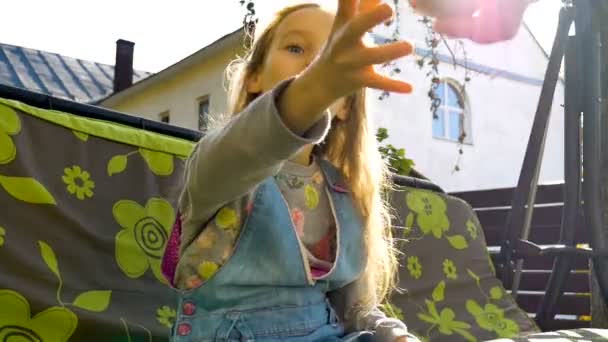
494, 110
66, 77
186, 92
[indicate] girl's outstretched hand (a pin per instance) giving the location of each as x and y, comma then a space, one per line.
346, 64
343, 66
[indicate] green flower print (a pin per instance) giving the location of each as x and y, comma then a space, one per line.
166, 316
413, 265
445, 321
142, 241
55, 324
207, 269
9, 125
492, 318
430, 212
2, 235
449, 269
78, 182
312, 196
472, 229
227, 218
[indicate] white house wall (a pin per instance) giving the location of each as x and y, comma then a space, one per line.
502, 107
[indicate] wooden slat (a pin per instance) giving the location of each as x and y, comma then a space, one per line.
537, 281
567, 305
503, 197
566, 324
546, 263
542, 216
542, 235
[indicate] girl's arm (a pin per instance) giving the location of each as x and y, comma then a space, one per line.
229, 162
346, 302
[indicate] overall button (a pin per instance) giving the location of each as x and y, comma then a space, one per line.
188, 308
184, 329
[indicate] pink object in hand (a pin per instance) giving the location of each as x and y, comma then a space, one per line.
482, 21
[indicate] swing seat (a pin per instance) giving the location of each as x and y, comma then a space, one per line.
450, 291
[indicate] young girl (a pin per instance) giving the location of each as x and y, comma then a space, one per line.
282, 233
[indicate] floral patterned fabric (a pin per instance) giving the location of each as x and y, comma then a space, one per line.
450, 289
87, 208
86, 214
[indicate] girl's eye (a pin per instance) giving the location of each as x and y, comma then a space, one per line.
295, 49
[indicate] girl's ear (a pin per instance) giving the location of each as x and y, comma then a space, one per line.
254, 83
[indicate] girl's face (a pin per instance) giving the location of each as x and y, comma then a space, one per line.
297, 40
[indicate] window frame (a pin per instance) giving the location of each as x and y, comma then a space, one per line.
444, 110
203, 121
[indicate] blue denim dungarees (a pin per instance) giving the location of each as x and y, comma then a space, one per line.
264, 292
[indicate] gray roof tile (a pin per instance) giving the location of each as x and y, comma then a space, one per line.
57, 75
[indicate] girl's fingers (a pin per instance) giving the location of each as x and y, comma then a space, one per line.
384, 53
366, 21
346, 10
377, 81
366, 5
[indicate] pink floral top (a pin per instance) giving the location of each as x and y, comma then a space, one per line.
303, 187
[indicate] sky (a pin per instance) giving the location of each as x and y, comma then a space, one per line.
164, 32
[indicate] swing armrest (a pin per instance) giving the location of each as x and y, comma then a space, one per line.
525, 248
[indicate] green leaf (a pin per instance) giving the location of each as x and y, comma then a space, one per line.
427, 318
9, 120
8, 150
27, 190
80, 135
96, 301
117, 164
409, 220
466, 335
160, 163
381, 134
496, 293
458, 242
49, 257
311, 197
473, 275
439, 292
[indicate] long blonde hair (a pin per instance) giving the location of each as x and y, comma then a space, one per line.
351, 147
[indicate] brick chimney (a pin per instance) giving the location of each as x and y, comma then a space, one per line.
123, 68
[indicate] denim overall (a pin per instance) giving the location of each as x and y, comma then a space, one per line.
264, 292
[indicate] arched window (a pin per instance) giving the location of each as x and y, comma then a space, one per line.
451, 119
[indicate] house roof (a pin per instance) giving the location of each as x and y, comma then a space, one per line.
53, 74
229, 39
